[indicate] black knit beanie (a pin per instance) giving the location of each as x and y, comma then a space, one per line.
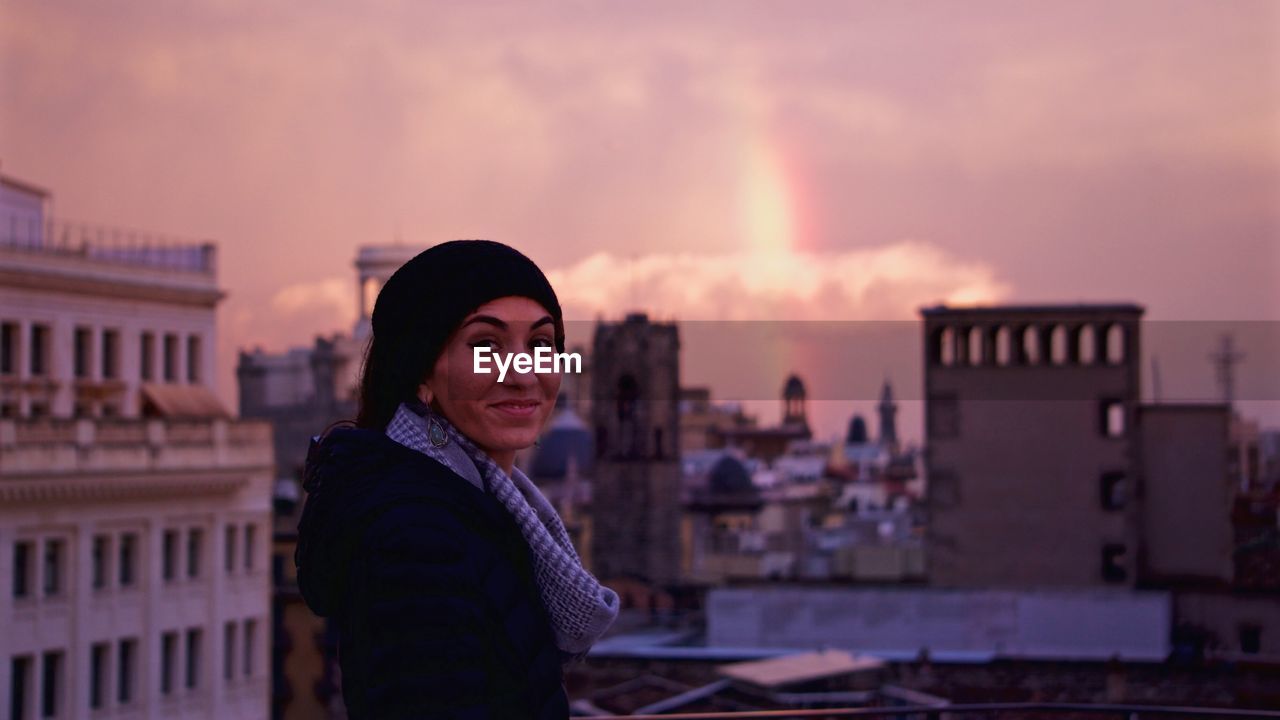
425, 300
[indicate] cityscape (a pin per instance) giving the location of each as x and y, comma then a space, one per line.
1092, 545
923, 359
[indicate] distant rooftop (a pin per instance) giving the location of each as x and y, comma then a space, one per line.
113, 245
802, 667
1040, 309
23, 186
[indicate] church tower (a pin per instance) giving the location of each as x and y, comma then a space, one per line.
888, 410
636, 505
794, 414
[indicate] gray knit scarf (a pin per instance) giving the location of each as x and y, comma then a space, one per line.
581, 609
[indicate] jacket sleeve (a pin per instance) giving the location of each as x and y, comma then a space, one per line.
433, 650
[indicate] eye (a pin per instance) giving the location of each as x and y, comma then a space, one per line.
542, 341
485, 342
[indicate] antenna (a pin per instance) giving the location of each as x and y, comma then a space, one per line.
1225, 360
631, 290
1156, 393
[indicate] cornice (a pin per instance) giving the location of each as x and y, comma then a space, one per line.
62, 283
92, 489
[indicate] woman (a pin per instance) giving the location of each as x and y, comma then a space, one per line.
455, 588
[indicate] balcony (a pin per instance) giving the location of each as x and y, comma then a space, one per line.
122, 246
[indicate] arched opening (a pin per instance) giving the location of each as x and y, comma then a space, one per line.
628, 394
1058, 345
1115, 344
947, 346
976, 355
1031, 345
1004, 346
1087, 345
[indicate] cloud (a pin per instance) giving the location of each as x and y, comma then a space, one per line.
882, 283
331, 297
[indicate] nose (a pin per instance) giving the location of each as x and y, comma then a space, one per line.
517, 379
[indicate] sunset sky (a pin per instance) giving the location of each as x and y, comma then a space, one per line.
711, 160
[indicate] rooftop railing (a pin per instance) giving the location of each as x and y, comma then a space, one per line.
107, 244
1047, 711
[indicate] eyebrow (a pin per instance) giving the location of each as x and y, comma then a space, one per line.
491, 320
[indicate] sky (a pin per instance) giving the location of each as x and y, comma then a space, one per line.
699, 161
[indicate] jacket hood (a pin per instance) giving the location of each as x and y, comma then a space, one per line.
340, 477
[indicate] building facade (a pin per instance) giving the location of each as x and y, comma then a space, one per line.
134, 510
635, 410
1030, 445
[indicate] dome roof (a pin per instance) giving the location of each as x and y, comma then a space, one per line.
794, 387
857, 431
566, 437
729, 476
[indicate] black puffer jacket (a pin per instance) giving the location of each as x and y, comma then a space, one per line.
431, 584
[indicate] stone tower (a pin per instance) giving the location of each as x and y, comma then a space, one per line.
888, 410
794, 414
635, 416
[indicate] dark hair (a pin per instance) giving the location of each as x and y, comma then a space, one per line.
424, 302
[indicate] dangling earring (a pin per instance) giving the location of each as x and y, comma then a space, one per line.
436, 433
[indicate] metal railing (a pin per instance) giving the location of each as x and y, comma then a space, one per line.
108, 244
939, 712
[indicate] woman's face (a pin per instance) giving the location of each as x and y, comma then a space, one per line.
500, 418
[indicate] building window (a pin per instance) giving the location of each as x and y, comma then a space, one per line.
168, 658
1113, 563
22, 565
193, 658
52, 567
229, 552
195, 538
250, 538
229, 548
83, 348
193, 359
1114, 491
110, 354
8, 348
1250, 638
125, 671
169, 555
944, 416
128, 559
250, 641
147, 349
228, 650
39, 350
1111, 417
50, 684
100, 550
170, 358
83, 409
19, 687
97, 674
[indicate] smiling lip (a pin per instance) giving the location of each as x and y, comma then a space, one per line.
517, 408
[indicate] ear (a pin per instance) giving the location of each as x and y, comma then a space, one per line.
425, 394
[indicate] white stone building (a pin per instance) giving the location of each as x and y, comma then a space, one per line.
134, 511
